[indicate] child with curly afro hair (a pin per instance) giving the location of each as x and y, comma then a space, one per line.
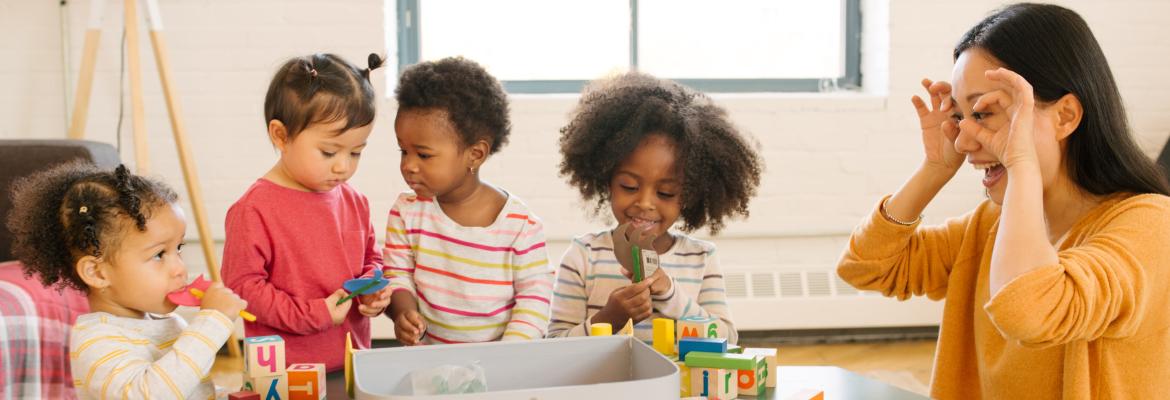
656, 152
467, 259
117, 237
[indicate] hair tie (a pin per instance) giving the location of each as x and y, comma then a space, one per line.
83, 210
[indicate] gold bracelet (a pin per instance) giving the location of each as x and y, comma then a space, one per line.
892, 219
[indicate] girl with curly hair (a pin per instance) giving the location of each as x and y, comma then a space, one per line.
658, 154
117, 237
467, 258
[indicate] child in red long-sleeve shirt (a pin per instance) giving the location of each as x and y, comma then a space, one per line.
300, 231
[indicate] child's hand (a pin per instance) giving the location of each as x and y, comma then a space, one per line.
371, 305
661, 282
338, 312
220, 298
624, 237
628, 302
409, 327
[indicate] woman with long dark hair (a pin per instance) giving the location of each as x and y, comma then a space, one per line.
1055, 286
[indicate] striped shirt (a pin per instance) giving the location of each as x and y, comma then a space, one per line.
473, 284
589, 272
117, 357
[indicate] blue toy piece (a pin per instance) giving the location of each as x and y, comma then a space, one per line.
710, 345
363, 286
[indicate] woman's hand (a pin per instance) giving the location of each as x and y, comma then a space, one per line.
1014, 144
938, 129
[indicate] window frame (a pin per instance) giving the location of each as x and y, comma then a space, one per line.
409, 46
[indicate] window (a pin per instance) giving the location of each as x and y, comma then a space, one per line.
536, 46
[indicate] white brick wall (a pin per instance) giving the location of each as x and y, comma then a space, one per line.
829, 157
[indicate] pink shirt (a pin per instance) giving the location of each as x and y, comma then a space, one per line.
286, 250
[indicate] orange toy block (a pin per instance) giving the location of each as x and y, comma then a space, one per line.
806, 394
306, 381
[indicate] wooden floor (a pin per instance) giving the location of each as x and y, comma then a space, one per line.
904, 364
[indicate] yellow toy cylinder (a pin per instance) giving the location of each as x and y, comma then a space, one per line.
600, 329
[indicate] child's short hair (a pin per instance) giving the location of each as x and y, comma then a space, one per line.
321, 88
473, 100
720, 168
76, 209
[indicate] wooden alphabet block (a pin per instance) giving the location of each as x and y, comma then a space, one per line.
770, 356
268, 387
263, 356
713, 383
753, 382
306, 381
697, 327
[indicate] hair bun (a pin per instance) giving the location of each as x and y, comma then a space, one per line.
374, 61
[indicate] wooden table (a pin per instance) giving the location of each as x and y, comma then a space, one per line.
837, 383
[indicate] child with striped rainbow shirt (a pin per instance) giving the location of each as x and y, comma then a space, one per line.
467, 259
656, 152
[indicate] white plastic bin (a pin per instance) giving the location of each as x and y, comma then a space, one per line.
575, 368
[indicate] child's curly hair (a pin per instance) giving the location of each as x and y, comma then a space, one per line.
472, 98
76, 209
720, 168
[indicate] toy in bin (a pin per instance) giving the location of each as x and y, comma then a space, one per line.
363, 286
192, 295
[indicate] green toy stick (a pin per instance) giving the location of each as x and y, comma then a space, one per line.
359, 291
639, 274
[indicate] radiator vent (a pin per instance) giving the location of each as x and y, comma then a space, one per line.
786, 284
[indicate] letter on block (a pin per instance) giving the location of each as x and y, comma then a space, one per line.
268, 387
703, 327
753, 382
770, 356
306, 381
713, 383
263, 356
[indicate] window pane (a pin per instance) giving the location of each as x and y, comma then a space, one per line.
529, 39
742, 39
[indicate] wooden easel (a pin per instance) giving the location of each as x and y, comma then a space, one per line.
138, 124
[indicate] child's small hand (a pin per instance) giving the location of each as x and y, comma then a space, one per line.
338, 312
628, 302
661, 282
220, 298
624, 237
409, 327
371, 305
